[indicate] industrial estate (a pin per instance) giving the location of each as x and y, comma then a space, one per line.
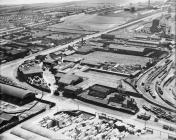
88, 70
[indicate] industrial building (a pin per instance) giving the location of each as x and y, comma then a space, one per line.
110, 98
69, 79
16, 95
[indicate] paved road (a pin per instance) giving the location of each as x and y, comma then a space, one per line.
18, 61
9, 69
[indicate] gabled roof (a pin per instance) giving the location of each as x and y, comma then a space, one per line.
68, 79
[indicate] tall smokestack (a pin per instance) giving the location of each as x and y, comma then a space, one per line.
148, 3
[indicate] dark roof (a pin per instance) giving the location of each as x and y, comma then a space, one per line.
49, 61
72, 59
68, 79
72, 88
94, 99
90, 62
101, 89
15, 92
101, 95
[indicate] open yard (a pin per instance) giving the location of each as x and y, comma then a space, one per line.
99, 56
87, 22
117, 58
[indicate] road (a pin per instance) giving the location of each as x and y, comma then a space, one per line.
44, 52
9, 69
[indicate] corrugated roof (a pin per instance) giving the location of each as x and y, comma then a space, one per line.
129, 48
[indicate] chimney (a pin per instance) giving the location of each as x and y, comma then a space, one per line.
148, 3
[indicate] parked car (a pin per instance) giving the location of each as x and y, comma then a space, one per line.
144, 116
166, 127
146, 108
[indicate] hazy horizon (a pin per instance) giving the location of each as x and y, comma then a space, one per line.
19, 2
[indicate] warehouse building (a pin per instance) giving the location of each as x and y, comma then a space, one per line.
99, 91
91, 63
16, 95
131, 50
69, 79
143, 43
71, 91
